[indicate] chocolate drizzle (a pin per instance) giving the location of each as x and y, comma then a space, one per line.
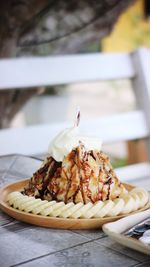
75, 194
50, 173
109, 182
81, 177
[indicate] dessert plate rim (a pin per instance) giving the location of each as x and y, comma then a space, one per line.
54, 222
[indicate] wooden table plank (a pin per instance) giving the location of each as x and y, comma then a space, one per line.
5, 219
86, 255
27, 242
16, 168
91, 234
107, 242
5, 166
146, 264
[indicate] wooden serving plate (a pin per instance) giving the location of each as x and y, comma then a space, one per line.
53, 222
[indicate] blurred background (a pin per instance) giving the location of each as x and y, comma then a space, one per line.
63, 28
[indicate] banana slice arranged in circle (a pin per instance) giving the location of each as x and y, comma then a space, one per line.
126, 203
117, 208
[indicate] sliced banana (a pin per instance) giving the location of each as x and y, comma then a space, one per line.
81, 212
108, 205
32, 205
60, 210
136, 200
126, 203
49, 210
38, 210
94, 209
25, 203
67, 213
117, 208
20, 202
13, 195
38, 205
143, 195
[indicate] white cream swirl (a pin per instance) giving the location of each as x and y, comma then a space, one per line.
69, 139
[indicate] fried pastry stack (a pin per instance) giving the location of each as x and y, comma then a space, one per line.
82, 177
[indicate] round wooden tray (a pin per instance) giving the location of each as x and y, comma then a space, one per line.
53, 222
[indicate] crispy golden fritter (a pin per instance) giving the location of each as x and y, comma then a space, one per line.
81, 177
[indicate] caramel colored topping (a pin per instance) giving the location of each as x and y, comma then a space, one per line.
81, 177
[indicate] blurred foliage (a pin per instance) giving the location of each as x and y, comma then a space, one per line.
118, 162
55, 90
46, 49
131, 31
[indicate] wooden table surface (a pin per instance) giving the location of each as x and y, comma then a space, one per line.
26, 245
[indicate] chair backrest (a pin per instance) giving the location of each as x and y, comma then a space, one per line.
25, 73
39, 71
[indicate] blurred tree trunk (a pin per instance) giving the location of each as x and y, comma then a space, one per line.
13, 17
18, 17
11, 102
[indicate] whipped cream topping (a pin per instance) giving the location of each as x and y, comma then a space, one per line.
69, 139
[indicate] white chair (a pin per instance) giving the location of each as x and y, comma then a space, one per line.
24, 73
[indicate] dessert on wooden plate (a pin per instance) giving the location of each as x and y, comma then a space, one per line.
77, 181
